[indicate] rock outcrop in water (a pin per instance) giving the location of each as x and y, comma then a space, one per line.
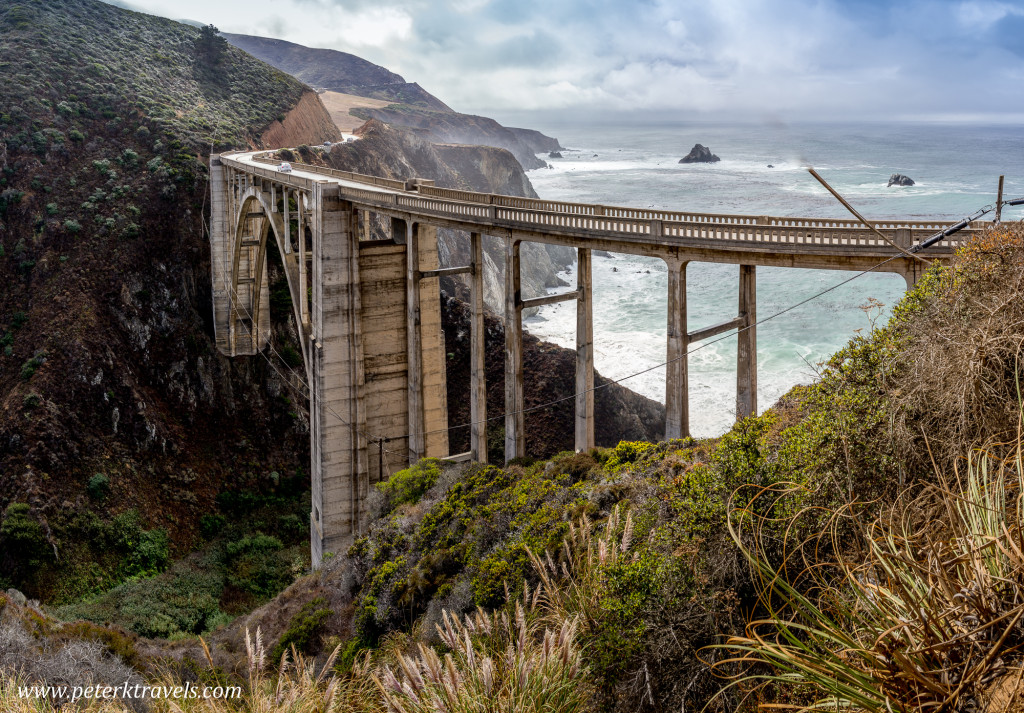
898, 179
699, 154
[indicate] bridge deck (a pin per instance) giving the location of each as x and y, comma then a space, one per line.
765, 240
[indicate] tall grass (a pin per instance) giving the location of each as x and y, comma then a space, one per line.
572, 588
926, 617
497, 663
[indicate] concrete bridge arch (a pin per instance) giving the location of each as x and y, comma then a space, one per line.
371, 329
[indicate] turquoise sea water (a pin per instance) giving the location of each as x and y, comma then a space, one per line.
956, 169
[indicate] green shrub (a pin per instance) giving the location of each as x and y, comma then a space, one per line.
72, 226
128, 158
22, 537
291, 356
51, 209
305, 629
183, 600
8, 199
256, 566
30, 400
29, 368
626, 453
151, 555
292, 527
144, 552
211, 525
99, 486
103, 168
409, 485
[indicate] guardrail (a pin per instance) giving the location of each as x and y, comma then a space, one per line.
294, 181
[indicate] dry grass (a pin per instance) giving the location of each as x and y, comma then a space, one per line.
339, 104
497, 662
927, 618
571, 588
959, 377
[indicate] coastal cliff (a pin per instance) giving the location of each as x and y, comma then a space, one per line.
394, 152
307, 122
411, 106
451, 128
549, 375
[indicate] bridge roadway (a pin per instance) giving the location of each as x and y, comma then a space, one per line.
368, 311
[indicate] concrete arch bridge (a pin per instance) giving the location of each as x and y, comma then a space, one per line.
368, 311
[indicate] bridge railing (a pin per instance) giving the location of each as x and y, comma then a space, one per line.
390, 183
837, 234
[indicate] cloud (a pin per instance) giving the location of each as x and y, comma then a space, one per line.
729, 58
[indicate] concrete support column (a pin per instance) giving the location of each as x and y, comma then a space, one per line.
286, 192
220, 252
340, 480
914, 272
477, 354
584, 352
515, 437
677, 388
746, 350
414, 357
434, 361
304, 303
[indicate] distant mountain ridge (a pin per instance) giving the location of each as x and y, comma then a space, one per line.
337, 71
412, 106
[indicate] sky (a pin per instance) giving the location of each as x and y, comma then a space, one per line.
757, 60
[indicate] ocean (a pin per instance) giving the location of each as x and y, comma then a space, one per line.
956, 169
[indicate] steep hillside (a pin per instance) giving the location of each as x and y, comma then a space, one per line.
337, 71
126, 440
307, 118
120, 424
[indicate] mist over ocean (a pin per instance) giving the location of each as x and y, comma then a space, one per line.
956, 168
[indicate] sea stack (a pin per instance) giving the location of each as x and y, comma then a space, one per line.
898, 179
699, 154
555, 154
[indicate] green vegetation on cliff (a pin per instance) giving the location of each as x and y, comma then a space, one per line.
119, 425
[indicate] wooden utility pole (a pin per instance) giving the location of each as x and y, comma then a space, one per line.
999, 201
